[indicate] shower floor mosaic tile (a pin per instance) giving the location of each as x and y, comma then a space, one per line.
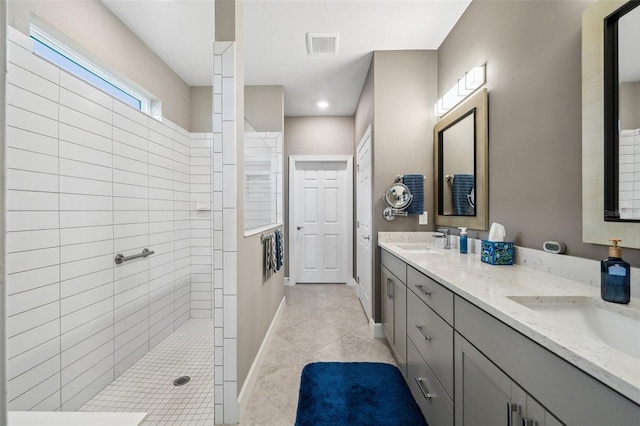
147, 386
320, 322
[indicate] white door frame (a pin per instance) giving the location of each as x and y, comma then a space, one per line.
366, 137
348, 208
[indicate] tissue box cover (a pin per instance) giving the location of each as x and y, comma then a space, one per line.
497, 252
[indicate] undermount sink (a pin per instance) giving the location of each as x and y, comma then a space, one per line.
416, 248
618, 326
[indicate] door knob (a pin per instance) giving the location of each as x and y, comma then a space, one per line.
299, 227
368, 237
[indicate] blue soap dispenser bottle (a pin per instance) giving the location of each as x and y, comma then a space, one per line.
463, 239
615, 277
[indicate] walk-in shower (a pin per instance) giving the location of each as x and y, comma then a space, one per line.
89, 179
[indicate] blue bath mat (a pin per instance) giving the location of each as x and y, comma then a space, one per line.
355, 394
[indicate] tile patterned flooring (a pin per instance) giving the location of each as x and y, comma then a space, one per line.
320, 322
147, 386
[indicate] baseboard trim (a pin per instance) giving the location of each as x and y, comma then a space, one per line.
252, 376
376, 328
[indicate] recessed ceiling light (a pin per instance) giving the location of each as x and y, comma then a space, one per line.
322, 104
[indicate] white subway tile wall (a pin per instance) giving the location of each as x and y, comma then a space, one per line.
201, 226
629, 174
89, 177
224, 233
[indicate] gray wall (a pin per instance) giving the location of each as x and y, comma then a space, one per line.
404, 94
313, 136
264, 107
397, 98
533, 56
201, 104
258, 296
96, 30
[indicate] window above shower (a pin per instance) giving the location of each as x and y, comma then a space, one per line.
49, 45
263, 202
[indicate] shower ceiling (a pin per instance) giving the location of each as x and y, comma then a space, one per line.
274, 41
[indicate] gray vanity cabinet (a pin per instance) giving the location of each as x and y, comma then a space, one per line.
490, 357
435, 404
394, 307
466, 367
430, 347
432, 293
433, 338
487, 396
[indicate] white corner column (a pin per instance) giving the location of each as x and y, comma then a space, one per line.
228, 105
225, 231
3, 317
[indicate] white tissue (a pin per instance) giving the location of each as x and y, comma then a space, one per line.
497, 232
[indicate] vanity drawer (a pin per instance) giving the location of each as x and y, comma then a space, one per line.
432, 293
433, 338
435, 404
395, 265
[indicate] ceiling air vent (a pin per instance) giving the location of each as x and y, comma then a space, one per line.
322, 43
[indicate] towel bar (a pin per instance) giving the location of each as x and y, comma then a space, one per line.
267, 237
120, 258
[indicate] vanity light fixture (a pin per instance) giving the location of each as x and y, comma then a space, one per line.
469, 83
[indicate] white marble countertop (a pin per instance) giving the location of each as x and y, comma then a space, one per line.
487, 287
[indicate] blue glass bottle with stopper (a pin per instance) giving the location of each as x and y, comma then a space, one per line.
615, 285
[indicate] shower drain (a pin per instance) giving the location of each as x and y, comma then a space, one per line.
181, 381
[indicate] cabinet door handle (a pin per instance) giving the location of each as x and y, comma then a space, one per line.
426, 336
390, 287
512, 407
420, 287
425, 393
529, 422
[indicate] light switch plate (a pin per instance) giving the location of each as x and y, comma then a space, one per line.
423, 219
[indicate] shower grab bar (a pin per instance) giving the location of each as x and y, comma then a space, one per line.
120, 258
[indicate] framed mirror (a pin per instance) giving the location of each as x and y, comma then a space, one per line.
622, 114
461, 165
601, 163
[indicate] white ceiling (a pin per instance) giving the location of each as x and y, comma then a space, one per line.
181, 33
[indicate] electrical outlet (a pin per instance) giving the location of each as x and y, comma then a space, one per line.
423, 219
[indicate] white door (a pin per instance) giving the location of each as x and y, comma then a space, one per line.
321, 199
363, 224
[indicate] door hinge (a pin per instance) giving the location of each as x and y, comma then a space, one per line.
357, 224
358, 167
357, 280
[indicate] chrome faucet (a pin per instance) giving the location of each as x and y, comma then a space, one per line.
445, 234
